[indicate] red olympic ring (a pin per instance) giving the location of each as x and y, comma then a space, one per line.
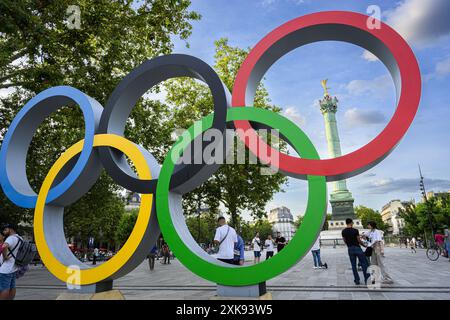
384, 42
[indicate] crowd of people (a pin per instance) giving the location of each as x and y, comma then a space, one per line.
231, 246
231, 250
371, 260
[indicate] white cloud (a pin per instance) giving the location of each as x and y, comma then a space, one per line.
378, 86
441, 70
443, 67
369, 56
421, 22
292, 114
404, 185
358, 117
267, 3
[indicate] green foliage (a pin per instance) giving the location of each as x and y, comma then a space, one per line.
249, 229
366, 214
38, 51
125, 226
423, 217
298, 221
239, 186
202, 227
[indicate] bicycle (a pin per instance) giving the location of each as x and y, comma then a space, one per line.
434, 252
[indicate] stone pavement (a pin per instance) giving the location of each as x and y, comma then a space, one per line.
415, 277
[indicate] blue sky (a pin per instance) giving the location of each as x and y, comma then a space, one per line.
362, 84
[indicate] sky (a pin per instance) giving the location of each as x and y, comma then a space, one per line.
361, 83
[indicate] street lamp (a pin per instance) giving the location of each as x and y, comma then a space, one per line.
199, 212
427, 204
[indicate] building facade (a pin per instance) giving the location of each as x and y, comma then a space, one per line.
133, 201
282, 221
390, 216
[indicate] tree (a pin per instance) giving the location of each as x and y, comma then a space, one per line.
409, 216
38, 51
202, 227
239, 186
422, 218
298, 221
264, 227
249, 229
125, 226
366, 214
96, 214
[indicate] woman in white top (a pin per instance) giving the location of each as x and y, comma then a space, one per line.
256, 242
375, 241
413, 245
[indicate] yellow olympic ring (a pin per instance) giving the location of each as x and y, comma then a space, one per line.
104, 271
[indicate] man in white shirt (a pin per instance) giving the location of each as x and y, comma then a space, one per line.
269, 244
225, 238
8, 267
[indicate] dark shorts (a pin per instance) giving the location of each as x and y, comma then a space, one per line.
7, 281
257, 254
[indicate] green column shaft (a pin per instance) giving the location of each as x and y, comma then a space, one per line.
334, 145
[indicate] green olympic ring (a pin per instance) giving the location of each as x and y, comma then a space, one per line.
246, 275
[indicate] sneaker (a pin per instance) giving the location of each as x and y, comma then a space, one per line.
357, 283
315, 267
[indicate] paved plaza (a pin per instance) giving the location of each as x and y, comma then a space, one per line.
415, 277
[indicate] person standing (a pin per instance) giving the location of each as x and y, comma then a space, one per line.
256, 242
315, 251
95, 256
413, 245
225, 238
447, 241
151, 257
269, 244
353, 241
375, 241
280, 241
8, 267
239, 251
166, 253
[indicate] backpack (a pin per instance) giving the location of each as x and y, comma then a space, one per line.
25, 254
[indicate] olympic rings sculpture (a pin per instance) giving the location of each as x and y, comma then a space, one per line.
104, 146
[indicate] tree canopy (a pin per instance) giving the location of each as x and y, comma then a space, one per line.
236, 187
38, 50
367, 214
423, 217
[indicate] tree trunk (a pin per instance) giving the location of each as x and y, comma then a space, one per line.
234, 217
